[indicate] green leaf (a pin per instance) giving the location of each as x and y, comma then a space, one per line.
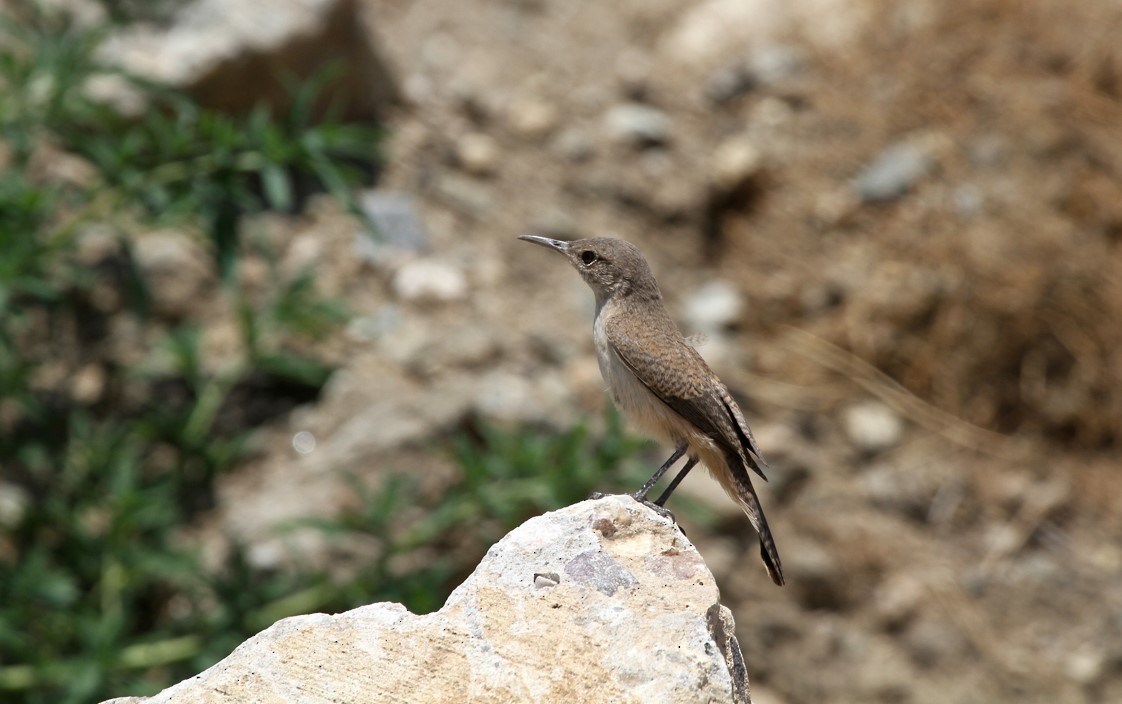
278, 187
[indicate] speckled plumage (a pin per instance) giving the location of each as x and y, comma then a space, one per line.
659, 380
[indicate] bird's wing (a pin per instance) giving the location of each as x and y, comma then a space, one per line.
698, 397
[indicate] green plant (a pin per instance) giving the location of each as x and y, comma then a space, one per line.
99, 595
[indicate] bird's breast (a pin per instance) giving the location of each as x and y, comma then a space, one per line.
632, 397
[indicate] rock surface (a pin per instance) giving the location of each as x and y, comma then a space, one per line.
601, 601
232, 56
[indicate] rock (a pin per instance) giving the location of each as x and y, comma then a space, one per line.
397, 226
232, 56
88, 384
96, 244
637, 124
895, 171
1087, 665
872, 426
429, 280
714, 307
729, 83
765, 65
176, 269
896, 601
601, 601
712, 29
775, 62
14, 502
477, 154
532, 118
736, 162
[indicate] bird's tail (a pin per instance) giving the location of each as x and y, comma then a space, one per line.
738, 483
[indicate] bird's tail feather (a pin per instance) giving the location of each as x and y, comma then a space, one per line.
741, 488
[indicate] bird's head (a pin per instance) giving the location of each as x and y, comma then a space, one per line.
609, 266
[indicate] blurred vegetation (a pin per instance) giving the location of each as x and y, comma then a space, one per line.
99, 594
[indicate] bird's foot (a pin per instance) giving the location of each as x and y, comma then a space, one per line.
664, 512
595, 495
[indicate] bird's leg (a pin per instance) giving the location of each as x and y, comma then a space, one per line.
641, 495
661, 501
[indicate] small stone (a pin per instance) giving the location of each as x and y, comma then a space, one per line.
775, 62
477, 154
397, 227
729, 83
735, 164
429, 280
637, 124
715, 306
895, 171
532, 118
88, 384
544, 580
96, 244
14, 501
896, 601
304, 253
1086, 665
872, 426
176, 269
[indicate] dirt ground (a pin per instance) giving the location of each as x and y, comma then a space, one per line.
918, 206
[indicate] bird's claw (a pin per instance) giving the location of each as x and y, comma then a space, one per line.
664, 512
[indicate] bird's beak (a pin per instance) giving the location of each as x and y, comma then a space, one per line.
559, 245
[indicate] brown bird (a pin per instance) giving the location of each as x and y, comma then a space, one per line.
661, 383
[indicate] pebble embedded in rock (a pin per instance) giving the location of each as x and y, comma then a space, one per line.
872, 426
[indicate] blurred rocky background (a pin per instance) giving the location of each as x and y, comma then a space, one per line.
268, 345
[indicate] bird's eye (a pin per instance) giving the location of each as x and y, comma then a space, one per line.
588, 256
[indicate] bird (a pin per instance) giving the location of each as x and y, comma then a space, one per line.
661, 383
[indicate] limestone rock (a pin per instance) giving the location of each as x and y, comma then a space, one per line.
601, 601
